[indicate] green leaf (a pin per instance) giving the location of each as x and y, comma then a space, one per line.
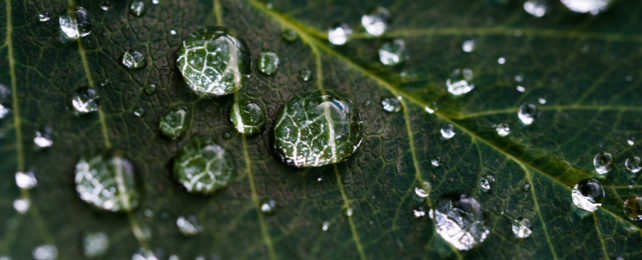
585, 66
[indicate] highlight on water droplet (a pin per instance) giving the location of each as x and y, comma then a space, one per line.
339, 34
44, 16
459, 220
325, 226
203, 166
139, 112
375, 22
392, 52
75, 23
527, 113
133, 59
391, 104
268, 206
633, 207
107, 182
459, 82
175, 122
85, 100
541, 101
603, 163
502, 129
150, 89
188, 226
469, 46
593, 7
536, 8
247, 117
448, 131
289, 35
45, 252
419, 212
95, 244
588, 194
305, 75
526, 187
268, 62
522, 227
25, 180
137, 7
43, 138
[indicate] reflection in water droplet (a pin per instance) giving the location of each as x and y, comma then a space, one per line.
633, 207
25, 180
268, 62
459, 220
376, 21
202, 166
107, 183
423, 191
391, 105
137, 7
43, 138
632, 164
603, 163
95, 244
268, 206
247, 117
45, 252
44, 16
527, 113
175, 122
469, 46
502, 129
485, 182
588, 194
447, 131
75, 23
21, 205
522, 227
536, 8
392, 53
325, 226
289, 35
339, 34
305, 75
85, 100
133, 60
587, 6
188, 226
459, 82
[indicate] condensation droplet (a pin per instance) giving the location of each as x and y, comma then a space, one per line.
26, 180
43, 138
520, 88
392, 52
502, 129
527, 113
305, 75
376, 21
501, 60
632, 164
447, 131
537, 8
630, 141
435, 162
348, 212
95, 244
459, 82
633, 207
268, 62
75, 23
469, 46
21, 205
325, 226
603, 163
133, 60
289, 35
423, 191
522, 227
137, 8
460, 221
44, 16
85, 100
339, 34
45, 252
593, 7
541, 101
486, 182
105, 5
188, 226
588, 194
391, 105
268, 206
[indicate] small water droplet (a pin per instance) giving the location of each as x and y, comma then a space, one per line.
526, 187
459, 220
339, 34
435, 162
348, 212
588, 194
469, 46
593, 7
139, 112
202, 166
447, 131
44, 16
305, 75
319, 179
95, 244
155, 2
150, 89
133, 60
630, 141
603, 163
501, 60
459, 82
485, 182
3, 111
104, 83
519, 78
502, 129
188, 226
143, 254
632, 164
85, 101
268, 206
429, 110
418, 213
21, 205
43, 138
537, 8
527, 113
391, 105
520, 88
376, 21
105, 5
26, 180
75, 23
137, 8
325, 226
174, 122
247, 117
633, 207
541, 101
522, 227
107, 182
392, 52
423, 191
268, 62
289, 35
45, 252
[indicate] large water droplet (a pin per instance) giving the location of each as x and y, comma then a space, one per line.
448, 131
213, 61
45, 252
268, 62
75, 23
188, 226
175, 122
603, 163
43, 138
633, 207
502, 129
630, 141
339, 34
268, 206
536, 8
85, 100
95, 244
459, 82
632, 164
133, 59
44, 16
107, 183
423, 191
21, 205
468, 46
247, 117
376, 21
392, 53
527, 113
588, 194
25, 180
522, 227
137, 7
391, 105
289, 35
587, 6
459, 220
202, 166
317, 129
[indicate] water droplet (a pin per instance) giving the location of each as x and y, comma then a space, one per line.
459, 220
105, 5
75, 23
43, 138
150, 89
95, 244
537, 8
174, 122
247, 117
325, 226
339, 34
21, 205
155, 2
502, 129
213, 61
447, 131
419, 213
26, 180
519, 78
137, 8
485, 182
188, 226
45, 252
202, 166
603, 163
632, 164
633, 207
376, 21
429, 110
541, 101
348, 212
392, 52
522, 227
44, 16
143, 254
305, 75
501, 60
289, 35
435, 162
459, 84
317, 129
85, 100
3, 111
520, 88
423, 191
133, 60
527, 113
586, 6
268, 206
526, 187
172, 32
268, 62
139, 112
391, 105
108, 183
630, 141
469, 46
588, 194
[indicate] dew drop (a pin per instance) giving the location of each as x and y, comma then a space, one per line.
593, 7
172, 32
44, 16
632, 164
305, 75
459, 82
43, 138
3, 111
502, 129
391, 105
522, 227
45, 252
486, 182
339, 34
289, 35
541, 101
137, 8
630, 141
376, 21
247, 117
537, 8
520, 88
133, 60
139, 112
501, 60
447, 131
268, 62
325, 226
519, 78
348, 212
85, 101
527, 113
105, 5
633, 207
174, 122
21, 205
603, 163
429, 110
202, 166
526, 187
75, 23
155, 2
95, 244
150, 89
392, 53
25, 180
435, 162
469, 46
213, 61
588, 194
268, 206
188, 226
459, 220
108, 183
423, 191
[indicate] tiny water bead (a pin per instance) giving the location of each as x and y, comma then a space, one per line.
485, 182
268, 62
213, 62
448, 131
391, 105
95, 244
25, 180
588, 194
133, 59
339, 34
317, 129
105, 5
268, 206
108, 183
75, 23
137, 7
541, 101
630, 141
174, 122
44, 16
501, 60
188, 226
150, 89
392, 53
527, 113
3, 111
155, 2
469, 46
522, 227
419, 213
85, 100
305, 75
435, 162
325, 226
348, 212
632, 164
633, 207
202, 166
139, 112
21, 205
45, 252
289, 35
423, 191
502, 129
536, 8
520, 88
459, 82
43, 138
603, 163
376, 21
593, 7
526, 187
460, 221
247, 117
